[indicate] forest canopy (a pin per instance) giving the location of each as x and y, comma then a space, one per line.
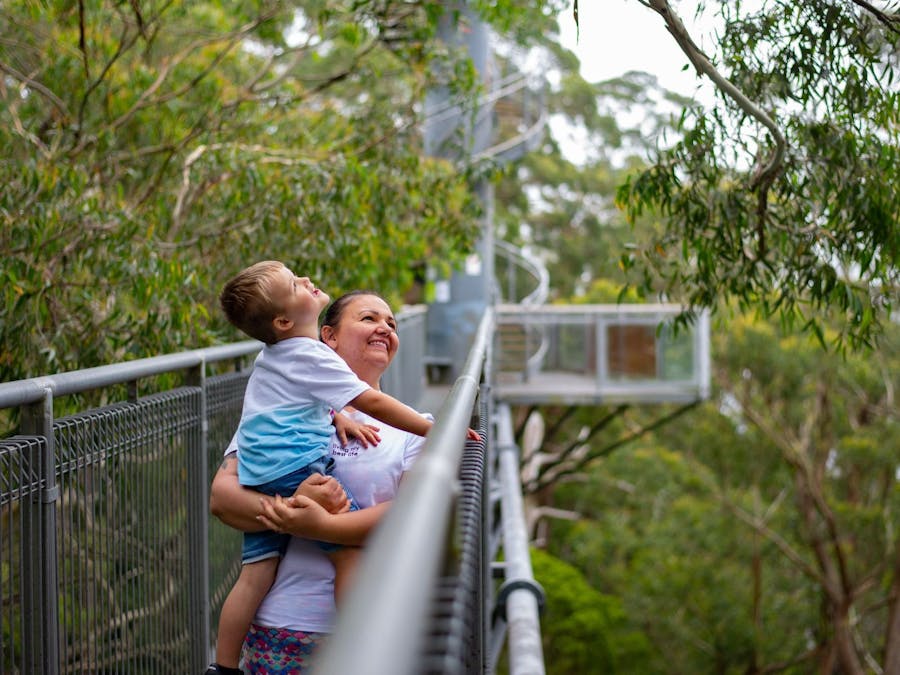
153, 149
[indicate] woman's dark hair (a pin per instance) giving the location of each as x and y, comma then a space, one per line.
335, 311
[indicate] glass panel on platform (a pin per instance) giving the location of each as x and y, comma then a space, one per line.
631, 352
676, 354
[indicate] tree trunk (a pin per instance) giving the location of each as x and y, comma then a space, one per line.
848, 661
892, 632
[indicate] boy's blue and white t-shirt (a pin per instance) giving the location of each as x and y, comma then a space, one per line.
286, 421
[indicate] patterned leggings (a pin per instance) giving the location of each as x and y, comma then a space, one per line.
279, 651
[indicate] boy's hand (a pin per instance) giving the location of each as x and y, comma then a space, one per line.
345, 427
325, 491
472, 435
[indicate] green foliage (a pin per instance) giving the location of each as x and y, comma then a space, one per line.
584, 631
151, 151
824, 238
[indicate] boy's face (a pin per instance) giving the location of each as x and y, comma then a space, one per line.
300, 301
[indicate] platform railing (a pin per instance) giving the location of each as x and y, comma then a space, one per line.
108, 559
386, 622
601, 353
104, 510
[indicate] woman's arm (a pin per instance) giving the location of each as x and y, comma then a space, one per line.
302, 517
238, 506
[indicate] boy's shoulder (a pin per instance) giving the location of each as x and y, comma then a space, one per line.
298, 345
300, 354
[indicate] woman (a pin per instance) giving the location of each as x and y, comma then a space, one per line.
299, 608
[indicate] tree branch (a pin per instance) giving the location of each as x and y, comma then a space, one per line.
891, 21
760, 527
765, 173
551, 476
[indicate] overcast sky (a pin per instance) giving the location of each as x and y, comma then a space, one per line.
621, 35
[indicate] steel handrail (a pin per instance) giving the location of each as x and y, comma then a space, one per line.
521, 598
25, 392
381, 625
536, 298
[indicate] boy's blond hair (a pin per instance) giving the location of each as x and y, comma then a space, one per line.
247, 302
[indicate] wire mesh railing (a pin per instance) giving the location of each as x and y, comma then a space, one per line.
109, 561
111, 564
103, 518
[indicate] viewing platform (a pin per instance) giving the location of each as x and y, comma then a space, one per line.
596, 354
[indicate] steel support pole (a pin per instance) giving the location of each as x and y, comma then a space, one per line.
43, 614
520, 598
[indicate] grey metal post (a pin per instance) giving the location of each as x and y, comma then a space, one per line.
520, 595
198, 525
43, 614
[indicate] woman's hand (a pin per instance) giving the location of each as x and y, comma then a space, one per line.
302, 517
298, 516
238, 506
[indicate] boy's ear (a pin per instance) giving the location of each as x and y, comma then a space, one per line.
282, 324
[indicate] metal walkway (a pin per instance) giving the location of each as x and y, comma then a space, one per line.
111, 563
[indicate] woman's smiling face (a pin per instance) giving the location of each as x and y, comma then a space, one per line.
365, 335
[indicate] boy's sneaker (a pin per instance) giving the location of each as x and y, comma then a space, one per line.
216, 669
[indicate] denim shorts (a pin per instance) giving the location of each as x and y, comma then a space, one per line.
268, 543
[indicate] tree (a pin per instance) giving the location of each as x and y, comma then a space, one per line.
151, 150
785, 195
565, 209
757, 534
584, 631
833, 424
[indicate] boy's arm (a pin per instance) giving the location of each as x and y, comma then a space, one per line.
390, 411
303, 517
238, 506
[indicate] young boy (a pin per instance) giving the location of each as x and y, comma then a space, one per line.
296, 385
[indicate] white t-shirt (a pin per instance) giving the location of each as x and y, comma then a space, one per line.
302, 597
285, 423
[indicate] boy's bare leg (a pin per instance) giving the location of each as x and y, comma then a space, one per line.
240, 607
345, 561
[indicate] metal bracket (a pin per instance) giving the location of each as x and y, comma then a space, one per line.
515, 585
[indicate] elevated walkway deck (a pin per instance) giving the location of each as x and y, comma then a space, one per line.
562, 388
599, 354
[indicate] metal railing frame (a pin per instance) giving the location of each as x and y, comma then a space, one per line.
35, 397
543, 319
411, 560
520, 599
382, 625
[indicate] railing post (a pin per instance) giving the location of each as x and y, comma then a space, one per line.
602, 374
198, 526
41, 597
520, 598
